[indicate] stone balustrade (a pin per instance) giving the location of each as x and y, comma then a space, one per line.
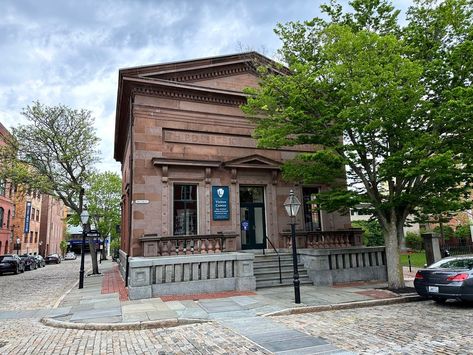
324, 239
154, 245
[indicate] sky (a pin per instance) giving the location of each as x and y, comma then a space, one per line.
69, 51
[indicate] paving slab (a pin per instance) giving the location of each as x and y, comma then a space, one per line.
82, 315
156, 315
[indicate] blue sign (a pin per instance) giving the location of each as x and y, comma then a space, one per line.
27, 217
220, 203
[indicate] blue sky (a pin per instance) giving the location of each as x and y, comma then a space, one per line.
69, 52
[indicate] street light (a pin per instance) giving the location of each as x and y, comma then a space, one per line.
84, 218
40, 245
292, 205
18, 241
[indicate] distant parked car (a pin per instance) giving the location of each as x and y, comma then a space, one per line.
40, 261
30, 262
11, 263
449, 278
52, 259
70, 256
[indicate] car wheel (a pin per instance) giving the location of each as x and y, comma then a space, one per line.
439, 300
16, 271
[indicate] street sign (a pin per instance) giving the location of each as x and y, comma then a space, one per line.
93, 234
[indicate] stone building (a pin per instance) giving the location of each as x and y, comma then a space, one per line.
194, 181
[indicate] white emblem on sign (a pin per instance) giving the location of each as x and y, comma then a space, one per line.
220, 192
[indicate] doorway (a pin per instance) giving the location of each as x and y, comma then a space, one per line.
252, 217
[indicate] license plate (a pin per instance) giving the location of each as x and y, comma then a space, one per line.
433, 289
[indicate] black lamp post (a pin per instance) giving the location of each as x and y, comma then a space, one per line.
18, 246
84, 218
292, 205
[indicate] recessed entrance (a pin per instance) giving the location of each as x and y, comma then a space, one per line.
252, 217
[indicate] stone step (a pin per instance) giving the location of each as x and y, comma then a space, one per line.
273, 264
285, 282
275, 269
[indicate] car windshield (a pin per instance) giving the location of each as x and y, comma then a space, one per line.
6, 257
464, 263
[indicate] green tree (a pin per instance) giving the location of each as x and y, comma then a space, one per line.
56, 150
463, 232
63, 247
360, 94
103, 197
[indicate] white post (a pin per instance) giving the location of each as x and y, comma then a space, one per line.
107, 241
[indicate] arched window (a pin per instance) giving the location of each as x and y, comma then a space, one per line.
8, 219
1, 217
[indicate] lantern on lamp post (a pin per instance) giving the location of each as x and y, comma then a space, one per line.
292, 205
84, 218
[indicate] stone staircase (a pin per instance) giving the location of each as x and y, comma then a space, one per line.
266, 270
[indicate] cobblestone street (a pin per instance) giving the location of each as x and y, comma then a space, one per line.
413, 328
39, 288
32, 337
409, 328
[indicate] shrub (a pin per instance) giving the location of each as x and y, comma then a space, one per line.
372, 235
414, 241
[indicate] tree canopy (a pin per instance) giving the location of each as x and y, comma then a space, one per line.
56, 151
390, 105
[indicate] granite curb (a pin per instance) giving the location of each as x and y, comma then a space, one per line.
164, 323
347, 305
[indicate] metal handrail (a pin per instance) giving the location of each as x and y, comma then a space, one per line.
279, 257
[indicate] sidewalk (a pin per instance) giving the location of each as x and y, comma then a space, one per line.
103, 303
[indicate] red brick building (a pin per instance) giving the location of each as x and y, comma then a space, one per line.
7, 210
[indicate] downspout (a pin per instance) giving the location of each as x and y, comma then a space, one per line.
130, 199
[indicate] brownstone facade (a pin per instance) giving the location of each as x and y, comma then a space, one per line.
182, 138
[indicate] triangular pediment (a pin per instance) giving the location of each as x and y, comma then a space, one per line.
231, 72
255, 161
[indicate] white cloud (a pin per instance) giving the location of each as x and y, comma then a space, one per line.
69, 52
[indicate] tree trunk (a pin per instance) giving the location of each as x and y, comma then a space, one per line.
395, 275
93, 255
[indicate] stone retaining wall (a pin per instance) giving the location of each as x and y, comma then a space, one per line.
190, 274
328, 266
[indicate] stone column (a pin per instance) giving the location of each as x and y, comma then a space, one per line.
432, 247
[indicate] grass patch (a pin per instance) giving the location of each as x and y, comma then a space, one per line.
417, 259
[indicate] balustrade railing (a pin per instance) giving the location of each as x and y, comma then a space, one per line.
324, 239
154, 245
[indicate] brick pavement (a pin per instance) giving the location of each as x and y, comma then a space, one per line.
112, 282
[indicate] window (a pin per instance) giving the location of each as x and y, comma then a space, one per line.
2, 187
1, 216
33, 211
37, 215
185, 209
36, 237
311, 212
8, 219
31, 237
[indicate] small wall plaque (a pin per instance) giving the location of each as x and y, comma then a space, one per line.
141, 202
